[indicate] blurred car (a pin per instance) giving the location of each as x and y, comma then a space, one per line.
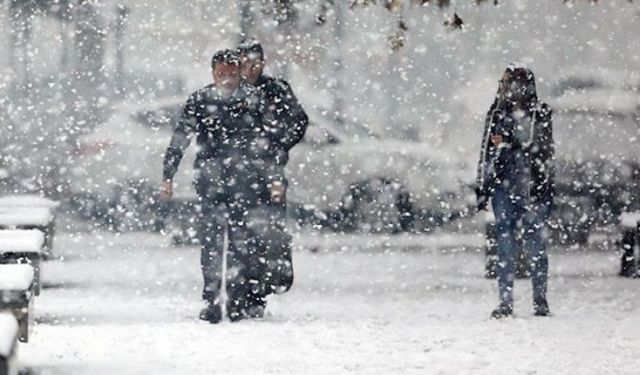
376, 185
371, 205
596, 129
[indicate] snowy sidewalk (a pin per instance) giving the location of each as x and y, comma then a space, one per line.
128, 304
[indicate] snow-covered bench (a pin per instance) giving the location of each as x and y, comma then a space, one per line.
8, 343
23, 246
16, 295
630, 226
29, 212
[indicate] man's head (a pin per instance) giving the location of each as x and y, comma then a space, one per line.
225, 67
517, 85
252, 60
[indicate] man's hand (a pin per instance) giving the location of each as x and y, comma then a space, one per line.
496, 139
277, 192
482, 200
482, 203
166, 190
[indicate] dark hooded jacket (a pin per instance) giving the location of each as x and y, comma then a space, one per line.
286, 119
235, 149
523, 163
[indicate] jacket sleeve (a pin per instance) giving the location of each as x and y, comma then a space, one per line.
181, 138
543, 153
292, 118
483, 177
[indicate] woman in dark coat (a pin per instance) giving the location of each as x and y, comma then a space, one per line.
516, 173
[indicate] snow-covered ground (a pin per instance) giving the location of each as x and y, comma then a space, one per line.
128, 304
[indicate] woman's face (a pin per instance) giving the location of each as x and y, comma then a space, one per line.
515, 87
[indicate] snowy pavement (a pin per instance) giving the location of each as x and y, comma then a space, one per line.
128, 304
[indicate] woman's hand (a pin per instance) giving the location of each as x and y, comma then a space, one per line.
277, 190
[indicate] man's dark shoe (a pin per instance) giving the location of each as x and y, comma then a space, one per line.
502, 311
211, 313
255, 312
251, 308
541, 307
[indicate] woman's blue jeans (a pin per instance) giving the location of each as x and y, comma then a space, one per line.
515, 221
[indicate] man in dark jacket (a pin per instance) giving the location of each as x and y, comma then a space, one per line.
516, 172
226, 118
288, 119
287, 123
